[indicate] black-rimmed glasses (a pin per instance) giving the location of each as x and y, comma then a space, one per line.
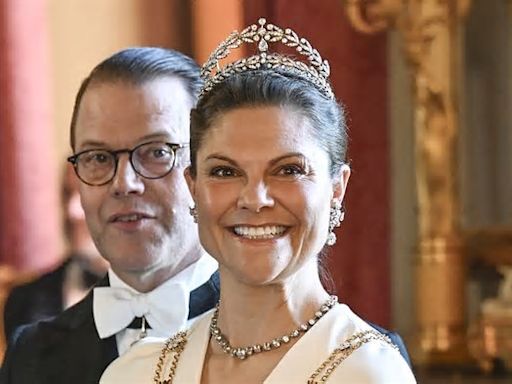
152, 160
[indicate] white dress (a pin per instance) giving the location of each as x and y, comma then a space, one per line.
374, 362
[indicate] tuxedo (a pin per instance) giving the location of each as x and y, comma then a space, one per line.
67, 348
37, 300
42, 298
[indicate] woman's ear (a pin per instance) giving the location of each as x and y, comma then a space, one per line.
340, 183
191, 181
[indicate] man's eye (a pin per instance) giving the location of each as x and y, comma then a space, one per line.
223, 172
152, 152
159, 153
97, 158
100, 158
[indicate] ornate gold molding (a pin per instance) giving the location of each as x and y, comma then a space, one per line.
373, 16
430, 32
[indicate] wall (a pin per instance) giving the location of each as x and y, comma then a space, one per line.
84, 32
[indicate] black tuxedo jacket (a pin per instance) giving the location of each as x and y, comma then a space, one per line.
67, 348
37, 300
41, 298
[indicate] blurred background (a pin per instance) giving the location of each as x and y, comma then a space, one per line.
426, 245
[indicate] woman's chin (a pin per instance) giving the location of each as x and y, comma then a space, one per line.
256, 276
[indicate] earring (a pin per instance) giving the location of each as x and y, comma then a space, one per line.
336, 217
193, 213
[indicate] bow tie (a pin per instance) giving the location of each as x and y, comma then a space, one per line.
165, 309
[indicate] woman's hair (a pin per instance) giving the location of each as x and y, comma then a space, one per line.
273, 88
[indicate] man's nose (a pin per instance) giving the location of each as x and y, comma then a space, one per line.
126, 181
255, 196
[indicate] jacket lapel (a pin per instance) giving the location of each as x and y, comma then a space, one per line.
204, 297
75, 331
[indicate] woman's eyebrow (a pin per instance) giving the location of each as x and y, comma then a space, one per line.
287, 155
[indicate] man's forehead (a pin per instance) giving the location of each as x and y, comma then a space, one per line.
112, 109
158, 95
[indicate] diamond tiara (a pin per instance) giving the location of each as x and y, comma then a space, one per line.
316, 70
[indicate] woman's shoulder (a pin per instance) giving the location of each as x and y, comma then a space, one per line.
138, 364
363, 354
375, 362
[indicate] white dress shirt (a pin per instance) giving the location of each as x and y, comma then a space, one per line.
166, 308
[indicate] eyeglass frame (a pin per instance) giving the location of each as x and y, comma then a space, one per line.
73, 159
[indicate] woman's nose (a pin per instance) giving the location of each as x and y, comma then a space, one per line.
255, 196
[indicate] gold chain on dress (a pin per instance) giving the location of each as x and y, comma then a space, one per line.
344, 351
176, 345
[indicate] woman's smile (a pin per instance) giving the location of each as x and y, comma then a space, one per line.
262, 232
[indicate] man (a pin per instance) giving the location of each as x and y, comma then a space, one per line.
129, 134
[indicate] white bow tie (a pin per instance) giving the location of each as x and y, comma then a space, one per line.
165, 309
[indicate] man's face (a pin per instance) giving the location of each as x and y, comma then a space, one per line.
141, 226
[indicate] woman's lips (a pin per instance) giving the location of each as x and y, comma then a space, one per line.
260, 232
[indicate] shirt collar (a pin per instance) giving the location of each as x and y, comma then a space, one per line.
195, 275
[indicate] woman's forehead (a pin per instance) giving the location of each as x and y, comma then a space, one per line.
261, 133
261, 123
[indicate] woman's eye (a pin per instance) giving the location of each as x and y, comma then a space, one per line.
291, 170
223, 172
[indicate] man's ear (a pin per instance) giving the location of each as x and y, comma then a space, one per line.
191, 181
340, 183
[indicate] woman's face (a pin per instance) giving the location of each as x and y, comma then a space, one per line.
263, 193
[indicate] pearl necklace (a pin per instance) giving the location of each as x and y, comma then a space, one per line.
244, 352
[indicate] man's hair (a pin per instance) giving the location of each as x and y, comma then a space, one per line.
136, 66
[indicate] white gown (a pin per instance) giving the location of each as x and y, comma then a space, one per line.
375, 362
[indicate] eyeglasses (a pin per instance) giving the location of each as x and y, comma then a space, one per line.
152, 160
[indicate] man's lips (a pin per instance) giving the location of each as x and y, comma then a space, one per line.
127, 217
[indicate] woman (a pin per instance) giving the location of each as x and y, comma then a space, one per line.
268, 174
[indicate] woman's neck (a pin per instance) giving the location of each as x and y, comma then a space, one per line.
250, 314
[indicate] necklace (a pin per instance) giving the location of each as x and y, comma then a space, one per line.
244, 352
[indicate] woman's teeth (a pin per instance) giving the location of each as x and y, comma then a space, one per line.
265, 232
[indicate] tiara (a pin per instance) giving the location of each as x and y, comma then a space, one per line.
316, 70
